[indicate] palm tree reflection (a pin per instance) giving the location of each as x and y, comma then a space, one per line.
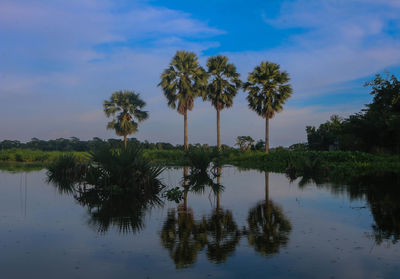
268, 228
185, 237
124, 212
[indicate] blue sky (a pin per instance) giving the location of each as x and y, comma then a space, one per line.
60, 59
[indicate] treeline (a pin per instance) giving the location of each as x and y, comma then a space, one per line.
376, 129
75, 144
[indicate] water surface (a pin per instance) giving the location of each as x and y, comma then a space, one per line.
260, 225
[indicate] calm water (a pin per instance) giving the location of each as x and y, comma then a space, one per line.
262, 225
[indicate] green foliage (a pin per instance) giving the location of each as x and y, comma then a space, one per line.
324, 137
183, 81
244, 142
224, 82
65, 171
175, 194
125, 107
125, 167
376, 129
268, 89
35, 156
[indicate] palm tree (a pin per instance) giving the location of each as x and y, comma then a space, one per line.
127, 105
268, 90
223, 86
182, 82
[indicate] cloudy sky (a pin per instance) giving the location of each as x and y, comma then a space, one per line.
59, 60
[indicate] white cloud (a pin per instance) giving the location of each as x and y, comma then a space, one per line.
339, 41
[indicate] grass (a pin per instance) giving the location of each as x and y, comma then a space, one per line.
35, 156
333, 162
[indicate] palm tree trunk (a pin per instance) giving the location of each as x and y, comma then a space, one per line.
266, 186
267, 134
185, 131
219, 172
218, 131
185, 186
125, 141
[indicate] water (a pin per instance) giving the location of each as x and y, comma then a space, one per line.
324, 231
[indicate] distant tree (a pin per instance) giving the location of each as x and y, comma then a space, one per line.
223, 86
126, 109
182, 82
244, 142
260, 145
268, 90
326, 135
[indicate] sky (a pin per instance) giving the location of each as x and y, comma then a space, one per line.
59, 60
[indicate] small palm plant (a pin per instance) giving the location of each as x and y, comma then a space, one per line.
268, 90
223, 86
182, 82
126, 108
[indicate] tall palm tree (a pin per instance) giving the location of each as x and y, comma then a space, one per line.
223, 86
125, 107
182, 82
268, 90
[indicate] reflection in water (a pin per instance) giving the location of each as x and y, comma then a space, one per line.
183, 237
109, 206
207, 243
222, 235
125, 212
382, 193
268, 228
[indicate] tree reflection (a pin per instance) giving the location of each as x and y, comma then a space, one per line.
109, 207
183, 237
124, 212
382, 193
222, 232
268, 228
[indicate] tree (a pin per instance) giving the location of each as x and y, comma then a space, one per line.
126, 109
182, 82
326, 135
244, 142
268, 90
223, 86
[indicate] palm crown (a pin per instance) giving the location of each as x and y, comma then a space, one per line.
268, 89
224, 84
125, 107
183, 81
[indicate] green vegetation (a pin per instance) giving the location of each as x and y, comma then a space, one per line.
268, 90
117, 169
182, 82
128, 105
376, 129
36, 156
278, 160
223, 86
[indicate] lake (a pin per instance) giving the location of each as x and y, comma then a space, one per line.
260, 225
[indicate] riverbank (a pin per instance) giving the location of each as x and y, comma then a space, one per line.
333, 162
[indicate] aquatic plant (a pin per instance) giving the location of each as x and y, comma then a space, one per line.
125, 168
